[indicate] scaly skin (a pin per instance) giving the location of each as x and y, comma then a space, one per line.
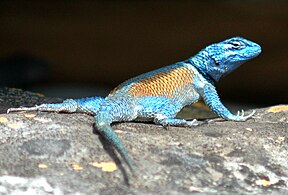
160, 94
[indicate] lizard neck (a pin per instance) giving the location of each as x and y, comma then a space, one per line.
201, 62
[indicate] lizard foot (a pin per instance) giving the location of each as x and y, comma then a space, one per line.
241, 115
167, 122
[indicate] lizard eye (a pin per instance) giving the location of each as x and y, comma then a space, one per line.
237, 44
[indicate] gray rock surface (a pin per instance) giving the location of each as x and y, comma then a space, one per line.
50, 153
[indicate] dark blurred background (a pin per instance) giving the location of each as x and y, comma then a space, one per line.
85, 48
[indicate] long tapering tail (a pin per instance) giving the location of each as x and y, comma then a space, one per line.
109, 135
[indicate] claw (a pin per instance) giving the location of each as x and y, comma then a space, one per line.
248, 116
241, 113
251, 114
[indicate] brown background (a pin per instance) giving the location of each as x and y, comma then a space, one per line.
106, 42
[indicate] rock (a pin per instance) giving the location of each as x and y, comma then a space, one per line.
51, 153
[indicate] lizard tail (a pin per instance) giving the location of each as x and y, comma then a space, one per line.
109, 135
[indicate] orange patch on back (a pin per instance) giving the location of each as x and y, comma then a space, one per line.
163, 84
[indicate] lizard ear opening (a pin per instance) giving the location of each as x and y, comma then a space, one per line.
215, 62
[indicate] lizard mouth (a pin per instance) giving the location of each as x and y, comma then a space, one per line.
256, 51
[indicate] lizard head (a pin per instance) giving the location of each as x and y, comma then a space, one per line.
226, 56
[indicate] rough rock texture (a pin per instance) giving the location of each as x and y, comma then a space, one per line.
50, 153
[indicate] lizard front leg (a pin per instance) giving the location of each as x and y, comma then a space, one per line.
212, 99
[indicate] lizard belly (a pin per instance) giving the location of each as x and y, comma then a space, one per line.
149, 107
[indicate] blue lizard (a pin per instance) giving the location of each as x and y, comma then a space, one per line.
160, 94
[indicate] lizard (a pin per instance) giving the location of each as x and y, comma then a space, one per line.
160, 94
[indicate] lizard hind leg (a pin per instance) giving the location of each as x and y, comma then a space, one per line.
112, 111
